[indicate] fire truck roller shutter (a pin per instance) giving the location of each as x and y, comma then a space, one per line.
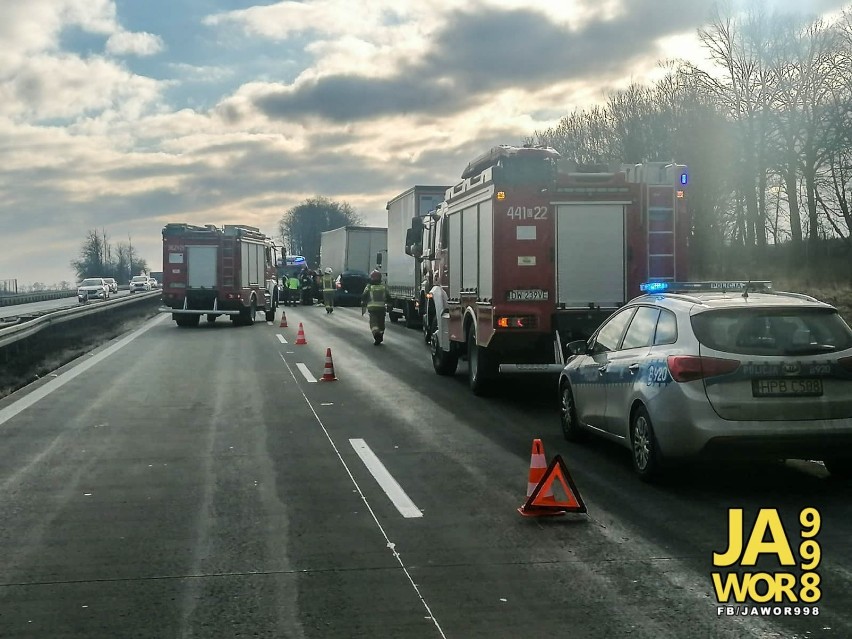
590, 254
486, 250
454, 257
470, 247
201, 261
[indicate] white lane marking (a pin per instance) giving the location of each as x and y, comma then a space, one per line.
43, 391
306, 372
389, 544
281, 339
393, 490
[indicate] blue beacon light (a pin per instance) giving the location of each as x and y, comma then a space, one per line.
654, 287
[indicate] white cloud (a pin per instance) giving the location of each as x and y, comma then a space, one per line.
141, 44
67, 86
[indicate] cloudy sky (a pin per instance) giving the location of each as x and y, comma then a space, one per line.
123, 115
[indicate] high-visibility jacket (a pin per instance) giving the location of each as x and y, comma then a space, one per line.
328, 281
376, 297
293, 283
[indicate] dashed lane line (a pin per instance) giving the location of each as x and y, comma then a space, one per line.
307, 374
393, 490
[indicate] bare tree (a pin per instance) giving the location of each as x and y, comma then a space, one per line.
300, 227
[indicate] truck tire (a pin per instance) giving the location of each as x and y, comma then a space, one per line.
412, 317
187, 321
480, 367
430, 324
393, 316
444, 362
246, 316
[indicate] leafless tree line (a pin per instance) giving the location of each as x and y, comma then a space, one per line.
766, 130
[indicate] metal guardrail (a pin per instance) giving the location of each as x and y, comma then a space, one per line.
21, 331
27, 298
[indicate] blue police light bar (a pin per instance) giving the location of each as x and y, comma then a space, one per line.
683, 178
735, 285
654, 287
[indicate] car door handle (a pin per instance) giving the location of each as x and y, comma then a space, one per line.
602, 369
633, 367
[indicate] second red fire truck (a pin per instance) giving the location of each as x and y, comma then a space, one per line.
213, 271
525, 255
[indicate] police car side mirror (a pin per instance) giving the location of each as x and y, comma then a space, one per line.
578, 347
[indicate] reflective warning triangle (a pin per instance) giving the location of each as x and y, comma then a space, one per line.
541, 499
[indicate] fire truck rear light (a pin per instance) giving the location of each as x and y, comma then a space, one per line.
523, 321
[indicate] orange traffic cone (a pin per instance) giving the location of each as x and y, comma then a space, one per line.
538, 464
300, 336
283, 323
328, 372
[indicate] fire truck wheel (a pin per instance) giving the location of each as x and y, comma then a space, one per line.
394, 317
430, 324
480, 367
444, 362
187, 321
246, 316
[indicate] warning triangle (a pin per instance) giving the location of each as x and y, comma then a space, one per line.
541, 499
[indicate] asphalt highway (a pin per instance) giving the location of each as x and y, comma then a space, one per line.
196, 483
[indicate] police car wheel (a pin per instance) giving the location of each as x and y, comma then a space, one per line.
643, 445
571, 428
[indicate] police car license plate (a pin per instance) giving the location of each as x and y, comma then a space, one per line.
797, 387
527, 295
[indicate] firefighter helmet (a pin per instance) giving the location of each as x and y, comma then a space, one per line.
376, 276
328, 270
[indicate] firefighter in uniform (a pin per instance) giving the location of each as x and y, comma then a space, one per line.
375, 300
328, 290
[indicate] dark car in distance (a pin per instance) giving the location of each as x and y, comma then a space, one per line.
349, 286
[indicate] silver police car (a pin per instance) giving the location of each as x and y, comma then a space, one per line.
729, 369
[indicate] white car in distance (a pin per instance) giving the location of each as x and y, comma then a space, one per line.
140, 283
92, 288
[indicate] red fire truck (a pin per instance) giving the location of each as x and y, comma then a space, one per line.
215, 271
526, 254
